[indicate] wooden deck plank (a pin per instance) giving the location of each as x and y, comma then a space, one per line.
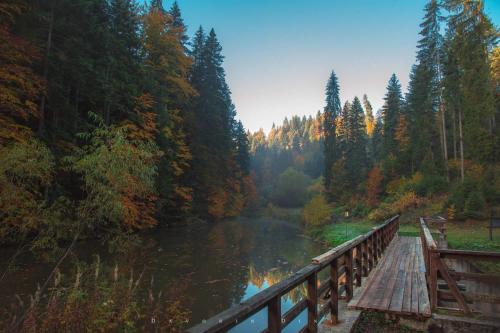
391, 275
398, 295
406, 308
397, 284
373, 292
415, 286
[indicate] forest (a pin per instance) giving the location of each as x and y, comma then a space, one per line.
127, 126
436, 143
118, 129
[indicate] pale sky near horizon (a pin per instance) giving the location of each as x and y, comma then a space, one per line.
279, 53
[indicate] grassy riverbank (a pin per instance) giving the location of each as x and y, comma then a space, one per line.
340, 232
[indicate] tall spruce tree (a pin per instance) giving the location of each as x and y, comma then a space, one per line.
331, 113
124, 72
355, 149
390, 113
178, 24
212, 139
425, 111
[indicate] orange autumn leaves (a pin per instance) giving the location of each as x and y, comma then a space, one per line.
20, 86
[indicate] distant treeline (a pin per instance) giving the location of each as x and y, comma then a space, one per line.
112, 119
285, 161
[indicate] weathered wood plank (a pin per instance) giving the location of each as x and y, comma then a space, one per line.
349, 274
359, 266
274, 315
397, 284
312, 303
443, 270
376, 287
396, 304
406, 306
334, 293
337, 251
390, 275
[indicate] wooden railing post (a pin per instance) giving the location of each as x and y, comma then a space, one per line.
274, 315
359, 266
385, 233
369, 245
312, 303
379, 245
433, 270
348, 275
364, 258
334, 292
373, 240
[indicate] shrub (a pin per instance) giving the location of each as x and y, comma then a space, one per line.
431, 184
457, 199
475, 204
468, 199
26, 172
317, 211
406, 202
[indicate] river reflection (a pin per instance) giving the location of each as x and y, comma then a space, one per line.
208, 266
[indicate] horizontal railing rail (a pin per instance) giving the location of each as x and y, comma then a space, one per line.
436, 268
347, 264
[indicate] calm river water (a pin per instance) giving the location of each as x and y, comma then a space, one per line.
208, 266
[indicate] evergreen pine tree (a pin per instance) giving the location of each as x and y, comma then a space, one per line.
332, 112
390, 113
124, 77
425, 110
356, 161
178, 24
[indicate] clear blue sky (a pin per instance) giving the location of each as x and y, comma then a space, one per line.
279, 53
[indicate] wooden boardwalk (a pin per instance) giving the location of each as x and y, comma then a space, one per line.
397, 285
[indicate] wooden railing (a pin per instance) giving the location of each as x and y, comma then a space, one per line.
436, 268
347, 263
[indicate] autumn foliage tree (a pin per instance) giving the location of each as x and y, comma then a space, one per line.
118, 178
168, 66
373, 186
20, 85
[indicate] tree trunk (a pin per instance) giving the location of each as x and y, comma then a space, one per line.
461, 145
455, 134
445, 145
41, 122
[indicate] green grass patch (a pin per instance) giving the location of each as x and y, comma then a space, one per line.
341, 232
474, 235
409, 229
